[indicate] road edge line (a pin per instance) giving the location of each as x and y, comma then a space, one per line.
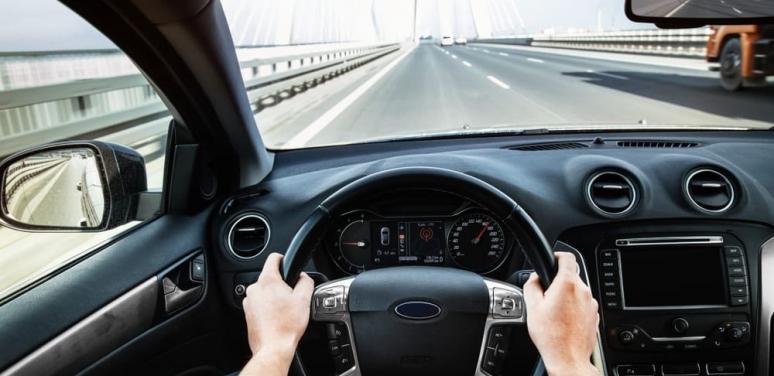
323, 121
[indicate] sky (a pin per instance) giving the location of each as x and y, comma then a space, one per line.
47, 25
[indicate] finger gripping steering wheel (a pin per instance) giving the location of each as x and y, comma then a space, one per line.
417, 320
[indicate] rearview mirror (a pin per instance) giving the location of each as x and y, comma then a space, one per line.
72, 186
701, 12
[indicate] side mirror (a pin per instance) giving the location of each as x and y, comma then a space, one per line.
694, 13
71, 186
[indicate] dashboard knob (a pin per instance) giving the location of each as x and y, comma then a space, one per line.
734, 334
626, 337
680, 325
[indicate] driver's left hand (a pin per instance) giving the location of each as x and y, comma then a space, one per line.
276, 314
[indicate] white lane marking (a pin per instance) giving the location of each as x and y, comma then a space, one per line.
736, 10
498, 82
607, 74
485, 50
447, 52
503, 54
323, 121
672, 13
722, 1
535, 60
465, 63
454, 56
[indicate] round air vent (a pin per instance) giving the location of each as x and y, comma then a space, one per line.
709, 191
248, 236
611, 194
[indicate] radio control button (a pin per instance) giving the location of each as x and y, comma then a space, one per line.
738, 290
681, 369
609, 265
734, 261
680, 325
733, 251
737, 281
613, 304
725, 368
739, 300
626, 337
610, 274
736, 271
636, 370
609, 254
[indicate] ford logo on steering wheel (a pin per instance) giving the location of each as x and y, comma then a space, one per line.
417, 310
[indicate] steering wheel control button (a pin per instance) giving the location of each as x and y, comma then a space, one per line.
725, 368
680, 325
635, 370
496, 350
340, 347
329, 301
507, 304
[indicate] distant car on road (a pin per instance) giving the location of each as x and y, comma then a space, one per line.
462, 41
447, 41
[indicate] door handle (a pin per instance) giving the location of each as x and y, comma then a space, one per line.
183, 285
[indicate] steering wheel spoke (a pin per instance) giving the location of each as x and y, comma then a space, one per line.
506, 309
330, 305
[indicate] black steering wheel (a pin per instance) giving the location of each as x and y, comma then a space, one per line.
415, 320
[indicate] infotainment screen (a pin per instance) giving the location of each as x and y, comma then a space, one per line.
673, 276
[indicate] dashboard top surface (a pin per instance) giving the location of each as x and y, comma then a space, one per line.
548, 184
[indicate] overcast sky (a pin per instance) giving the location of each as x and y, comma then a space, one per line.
48, 25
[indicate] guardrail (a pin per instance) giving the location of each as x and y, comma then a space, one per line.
273, 79
678, 42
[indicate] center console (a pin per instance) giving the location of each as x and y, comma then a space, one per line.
676, 305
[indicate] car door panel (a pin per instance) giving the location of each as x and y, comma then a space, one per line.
91, 299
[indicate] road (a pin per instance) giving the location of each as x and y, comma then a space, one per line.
482, 86
703, 8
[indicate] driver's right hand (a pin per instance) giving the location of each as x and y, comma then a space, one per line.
563, 320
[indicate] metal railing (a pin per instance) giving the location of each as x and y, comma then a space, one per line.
678, 42
271, 80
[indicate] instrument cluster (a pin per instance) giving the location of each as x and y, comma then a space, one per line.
470, 239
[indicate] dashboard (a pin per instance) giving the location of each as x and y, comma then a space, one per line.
673, 228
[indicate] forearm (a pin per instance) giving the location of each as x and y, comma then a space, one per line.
268, 362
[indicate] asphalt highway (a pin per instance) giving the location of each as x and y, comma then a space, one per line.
483, 86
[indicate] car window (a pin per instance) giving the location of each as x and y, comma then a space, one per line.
365, 71
60, 79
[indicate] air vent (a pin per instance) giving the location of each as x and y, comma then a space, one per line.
709, 191
550, 146
656, 144
248, 236
611, 194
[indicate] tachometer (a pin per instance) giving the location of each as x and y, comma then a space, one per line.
477, 242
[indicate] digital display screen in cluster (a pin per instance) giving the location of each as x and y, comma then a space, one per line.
421, 242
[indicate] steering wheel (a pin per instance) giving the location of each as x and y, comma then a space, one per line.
417, 320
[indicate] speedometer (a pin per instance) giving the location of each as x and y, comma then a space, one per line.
477, 242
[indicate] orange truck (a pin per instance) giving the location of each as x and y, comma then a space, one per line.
745, 54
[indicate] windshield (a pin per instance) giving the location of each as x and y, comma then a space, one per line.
325, 72
384, 69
